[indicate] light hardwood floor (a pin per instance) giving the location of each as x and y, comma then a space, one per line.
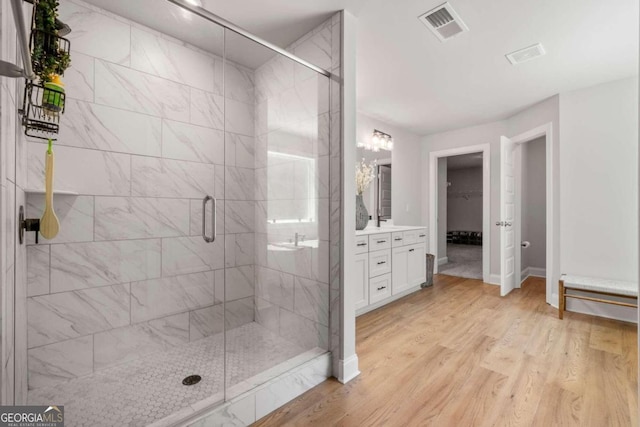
458, 354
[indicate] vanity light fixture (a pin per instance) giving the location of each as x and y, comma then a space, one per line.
379, 141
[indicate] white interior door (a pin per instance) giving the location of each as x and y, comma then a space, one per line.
507, 216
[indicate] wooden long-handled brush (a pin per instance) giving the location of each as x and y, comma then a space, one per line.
49, 224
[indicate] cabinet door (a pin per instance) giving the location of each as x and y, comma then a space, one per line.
416, 263
361, 281
399, 272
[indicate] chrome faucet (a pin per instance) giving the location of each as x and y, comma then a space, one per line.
299, 238
379, 219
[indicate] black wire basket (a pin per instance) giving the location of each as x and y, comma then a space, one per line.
42, 107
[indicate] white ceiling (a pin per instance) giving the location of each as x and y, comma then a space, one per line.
410, 79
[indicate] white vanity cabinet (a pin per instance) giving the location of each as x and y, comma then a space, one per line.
389, 265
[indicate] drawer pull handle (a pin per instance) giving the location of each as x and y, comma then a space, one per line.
382, 262
411, 250
423, 235
397, 239
381, 241
362, 244
382, 287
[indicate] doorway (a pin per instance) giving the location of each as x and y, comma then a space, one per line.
472, 242
512, 212
460, 215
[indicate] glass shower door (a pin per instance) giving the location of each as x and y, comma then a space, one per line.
277, 214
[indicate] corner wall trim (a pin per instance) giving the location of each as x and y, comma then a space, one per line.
348, 369
494, 279
443, 260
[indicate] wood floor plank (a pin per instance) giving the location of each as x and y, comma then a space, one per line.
458, 354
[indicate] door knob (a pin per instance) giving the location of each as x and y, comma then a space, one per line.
507, 224
500, 223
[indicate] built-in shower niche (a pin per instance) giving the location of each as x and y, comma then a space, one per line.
129, 299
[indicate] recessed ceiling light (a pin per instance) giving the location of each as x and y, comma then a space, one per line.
526, 54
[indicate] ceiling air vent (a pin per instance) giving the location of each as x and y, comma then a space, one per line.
444, 22
526, 54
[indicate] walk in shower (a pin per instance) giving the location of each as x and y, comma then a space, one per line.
193, 191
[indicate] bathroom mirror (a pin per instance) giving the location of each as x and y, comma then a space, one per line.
370, 195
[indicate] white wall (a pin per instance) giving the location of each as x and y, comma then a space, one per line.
442, 208
464, 213
534, 203
598, 179
405, 159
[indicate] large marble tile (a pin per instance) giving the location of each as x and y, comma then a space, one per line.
239, 150
302, 331
135, 341
54, 363
205, 322
154, 177
38, 271
240, 412
79, 79
274, 77
134, 218
275, 286
75, 214
183, 255
238, 313
282, 390
304, 101
239, 117
88, 125
267, 314
170, 60
88, 265
239, 282
239, 83
244, 246
184, 141
207, 109
83, 171
152, 299
133, 90
96, 34
239, 216
317, 50
311, 300
239, 183
57, 317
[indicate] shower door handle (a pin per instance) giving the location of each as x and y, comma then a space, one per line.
212, 238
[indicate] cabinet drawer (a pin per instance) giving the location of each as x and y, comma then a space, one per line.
397, 239
379, 288
362, 244
415, 236
379, 263
378, 242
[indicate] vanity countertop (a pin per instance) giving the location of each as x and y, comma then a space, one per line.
390, 229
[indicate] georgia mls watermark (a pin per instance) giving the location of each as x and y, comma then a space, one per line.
31, 416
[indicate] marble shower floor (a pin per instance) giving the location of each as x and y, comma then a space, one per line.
147, 390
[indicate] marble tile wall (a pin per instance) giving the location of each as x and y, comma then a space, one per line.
293, 119
142, 142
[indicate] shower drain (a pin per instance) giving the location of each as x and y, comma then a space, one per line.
191, 380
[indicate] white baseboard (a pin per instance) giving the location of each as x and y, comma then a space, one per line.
348, 369
443, 260
532, 272
494, 279
386, 301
